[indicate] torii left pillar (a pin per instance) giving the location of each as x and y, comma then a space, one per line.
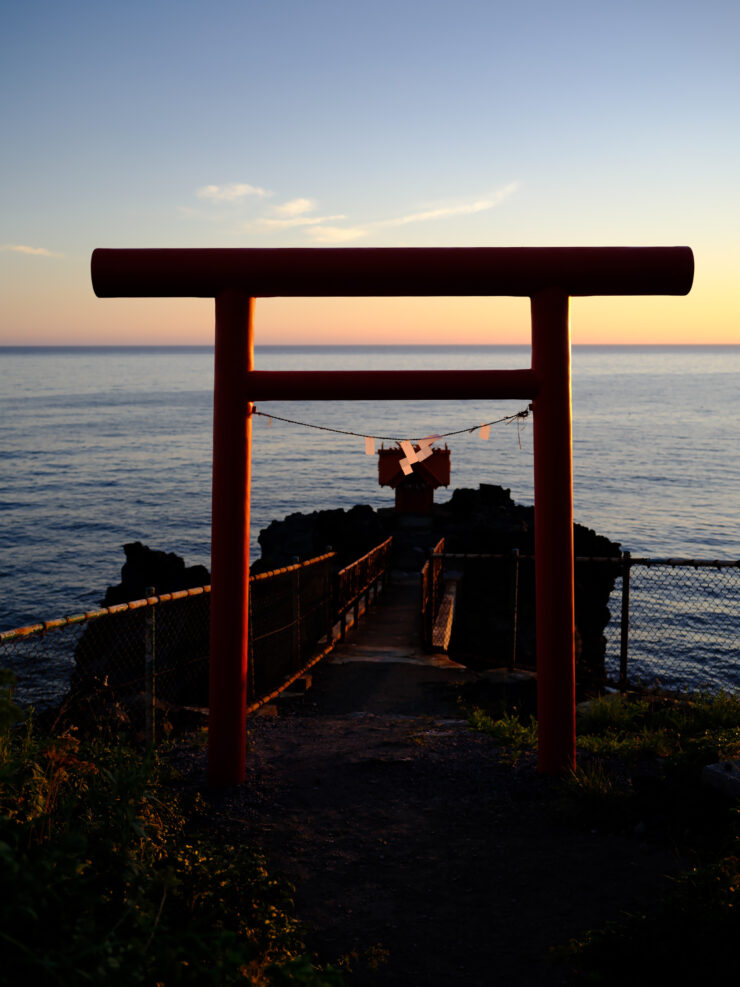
232, 450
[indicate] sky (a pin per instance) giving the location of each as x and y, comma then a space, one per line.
349, 123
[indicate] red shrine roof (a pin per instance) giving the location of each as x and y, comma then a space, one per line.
434, 471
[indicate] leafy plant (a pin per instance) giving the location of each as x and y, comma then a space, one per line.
102, 881
507, 728
10, 713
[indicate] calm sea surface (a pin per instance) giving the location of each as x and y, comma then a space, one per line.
102, 446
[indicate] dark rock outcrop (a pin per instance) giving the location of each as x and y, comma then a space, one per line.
305, 536
146, 567
487, 521
110, 655
483, 521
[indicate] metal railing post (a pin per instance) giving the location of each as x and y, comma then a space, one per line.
341, 580
299, 618
328, 600
624, 629
149, 670
251, 691
515, 605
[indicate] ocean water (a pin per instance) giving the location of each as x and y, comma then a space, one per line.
102, 446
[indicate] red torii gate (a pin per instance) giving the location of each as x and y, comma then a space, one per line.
235, 277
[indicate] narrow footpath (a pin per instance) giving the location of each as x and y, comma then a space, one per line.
382, 668
419, 855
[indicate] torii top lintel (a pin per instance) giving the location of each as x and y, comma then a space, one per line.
390, 271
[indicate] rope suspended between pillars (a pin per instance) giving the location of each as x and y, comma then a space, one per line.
519, 416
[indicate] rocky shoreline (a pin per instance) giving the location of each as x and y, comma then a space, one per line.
482, 521
490, 593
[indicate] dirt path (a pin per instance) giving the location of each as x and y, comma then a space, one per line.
415, 852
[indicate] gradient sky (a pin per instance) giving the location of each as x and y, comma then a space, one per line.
326, 122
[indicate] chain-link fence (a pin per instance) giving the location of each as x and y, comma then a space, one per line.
133, 663
670, 623
290, 611
675, 623
117, 665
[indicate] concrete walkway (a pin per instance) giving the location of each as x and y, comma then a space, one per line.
391, 630
382, 670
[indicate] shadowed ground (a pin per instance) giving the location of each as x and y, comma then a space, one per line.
418, 855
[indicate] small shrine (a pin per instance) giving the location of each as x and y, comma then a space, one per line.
414, 472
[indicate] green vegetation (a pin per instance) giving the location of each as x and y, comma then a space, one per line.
691, 937
102, 880
688, 729
639, 774
683, 733
517, 735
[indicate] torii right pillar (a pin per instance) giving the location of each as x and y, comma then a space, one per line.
553, 531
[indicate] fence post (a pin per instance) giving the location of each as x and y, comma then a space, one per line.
436, 572
422, 603
624, 630
149, 669
251, 691
341, 579
329, 597
299, 621
515, 605
328, 605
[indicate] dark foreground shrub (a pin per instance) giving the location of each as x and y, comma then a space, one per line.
690, 938
100, 882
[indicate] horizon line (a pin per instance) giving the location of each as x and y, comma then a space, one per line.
348, 346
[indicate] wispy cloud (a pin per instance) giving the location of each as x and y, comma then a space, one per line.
300, 213
336, 234
270, 223
462, 209
21, 248
341, 234
294, 213
233, 192
295, 207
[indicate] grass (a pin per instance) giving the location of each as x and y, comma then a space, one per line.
639, 775
106, 876
518, 736
691, 937
687, 732
105, 880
